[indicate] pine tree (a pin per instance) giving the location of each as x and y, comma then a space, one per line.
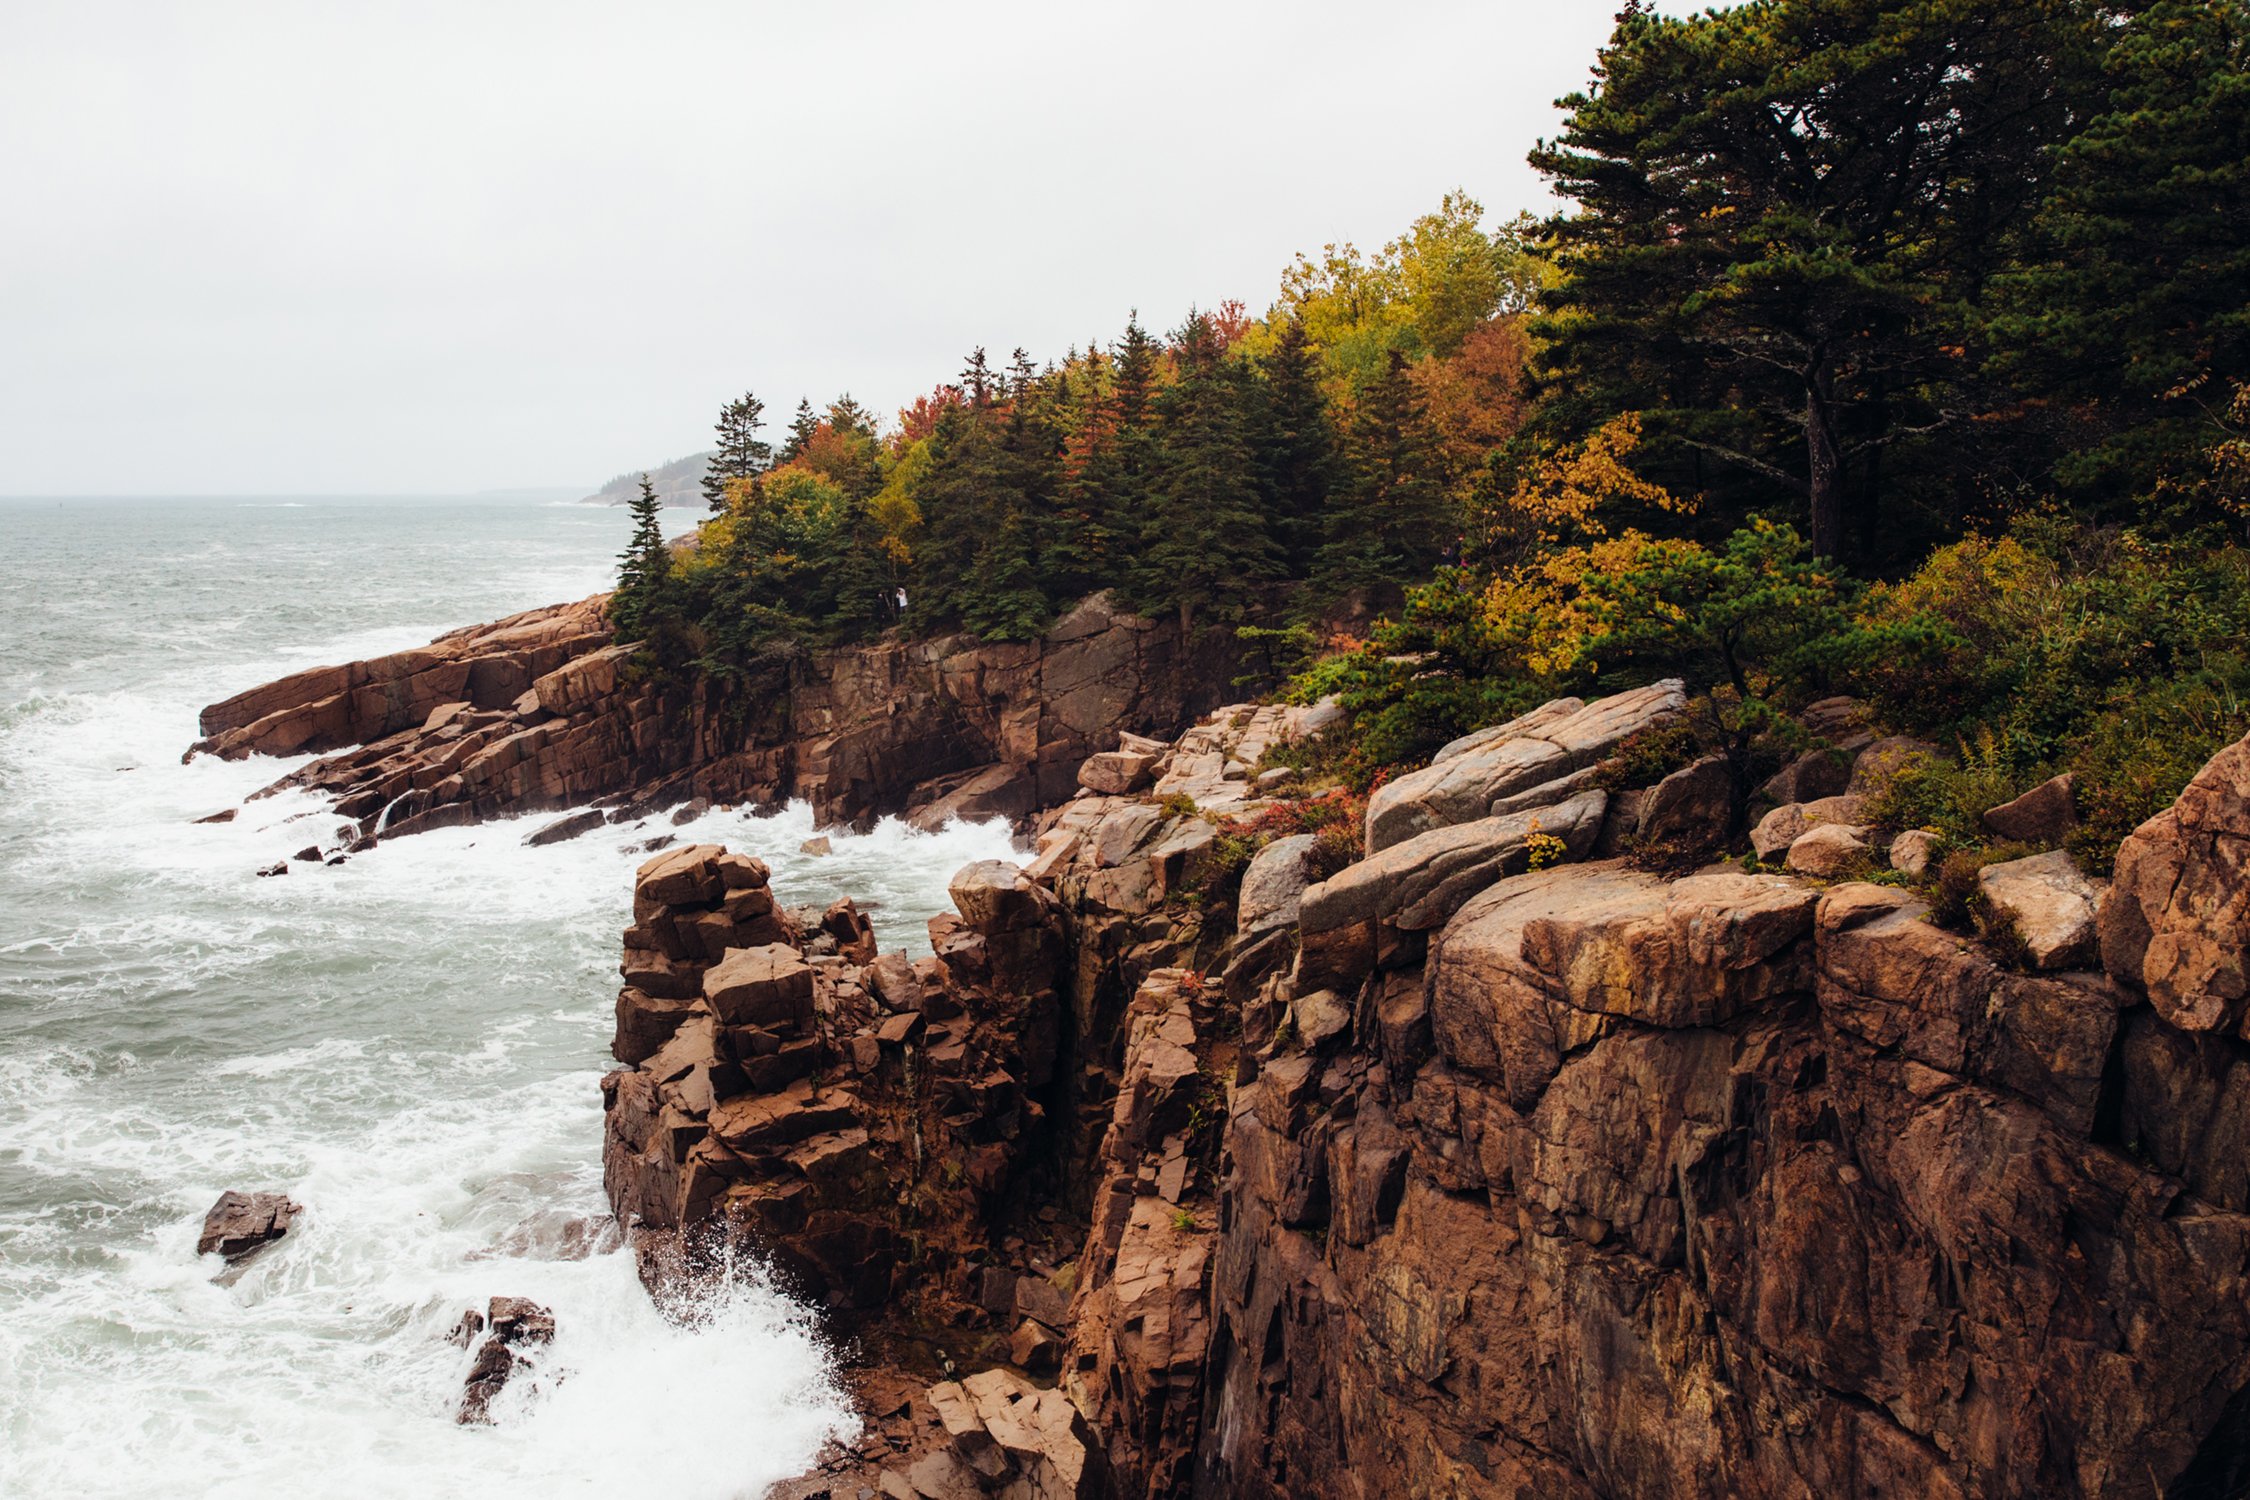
2137, 302
643, 568
1785, 216
741, 455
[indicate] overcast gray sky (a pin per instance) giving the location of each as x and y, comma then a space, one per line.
389, 247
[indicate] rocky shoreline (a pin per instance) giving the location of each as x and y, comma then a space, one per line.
543, 711
1587, 1180
1505, 1155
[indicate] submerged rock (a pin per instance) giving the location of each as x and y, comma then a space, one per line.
517, 1325
567, 828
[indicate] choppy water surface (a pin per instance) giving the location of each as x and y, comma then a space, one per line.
408, 1044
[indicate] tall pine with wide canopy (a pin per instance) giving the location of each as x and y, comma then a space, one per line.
1787, 214
2136, 301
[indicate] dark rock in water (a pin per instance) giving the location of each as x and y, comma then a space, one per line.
279, 868
465, 1332
519, 1320
516, 1323
688, 812
335, 860
567, 828
226, 816
310, 854
239, 1225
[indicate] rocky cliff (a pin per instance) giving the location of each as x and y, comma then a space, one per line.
543, 710
1497, 1161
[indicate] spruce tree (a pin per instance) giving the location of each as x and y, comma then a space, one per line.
642, 568
1204, 543
741, 455
847, 416
1294, 445
1387, 522
801, 429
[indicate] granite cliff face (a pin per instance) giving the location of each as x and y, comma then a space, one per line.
542, 711
1448, 1175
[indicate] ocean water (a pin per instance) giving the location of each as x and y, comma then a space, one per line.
408, 1044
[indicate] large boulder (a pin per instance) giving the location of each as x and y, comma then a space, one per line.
1782, 827
1416, 885
1692, 808
2040, 816
1828, 851
1273, 887
2177, 921
1542, 746
2048, 904
1539, 965
770, 985
1808, 778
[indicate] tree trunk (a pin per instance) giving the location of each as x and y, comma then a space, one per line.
1824, 478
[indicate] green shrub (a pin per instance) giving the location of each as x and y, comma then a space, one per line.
1956, 900
1951, 796
2135, 759
1333, 847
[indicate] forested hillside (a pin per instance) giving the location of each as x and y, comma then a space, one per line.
1884, 349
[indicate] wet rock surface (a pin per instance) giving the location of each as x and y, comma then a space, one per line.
508, 1336
241, 1224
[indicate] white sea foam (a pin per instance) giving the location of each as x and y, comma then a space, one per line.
409, 1044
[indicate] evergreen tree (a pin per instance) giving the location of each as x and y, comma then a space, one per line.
978, 380
643, 568
1387, 523
985, 485
2137, 304
1081, 543
741, 454
1787, 213
1204, 543
801, 429
1295, 447
847, 416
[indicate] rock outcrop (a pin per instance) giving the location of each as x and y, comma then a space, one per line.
1444, 1174
543, 710
1469, 775
239, 1225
